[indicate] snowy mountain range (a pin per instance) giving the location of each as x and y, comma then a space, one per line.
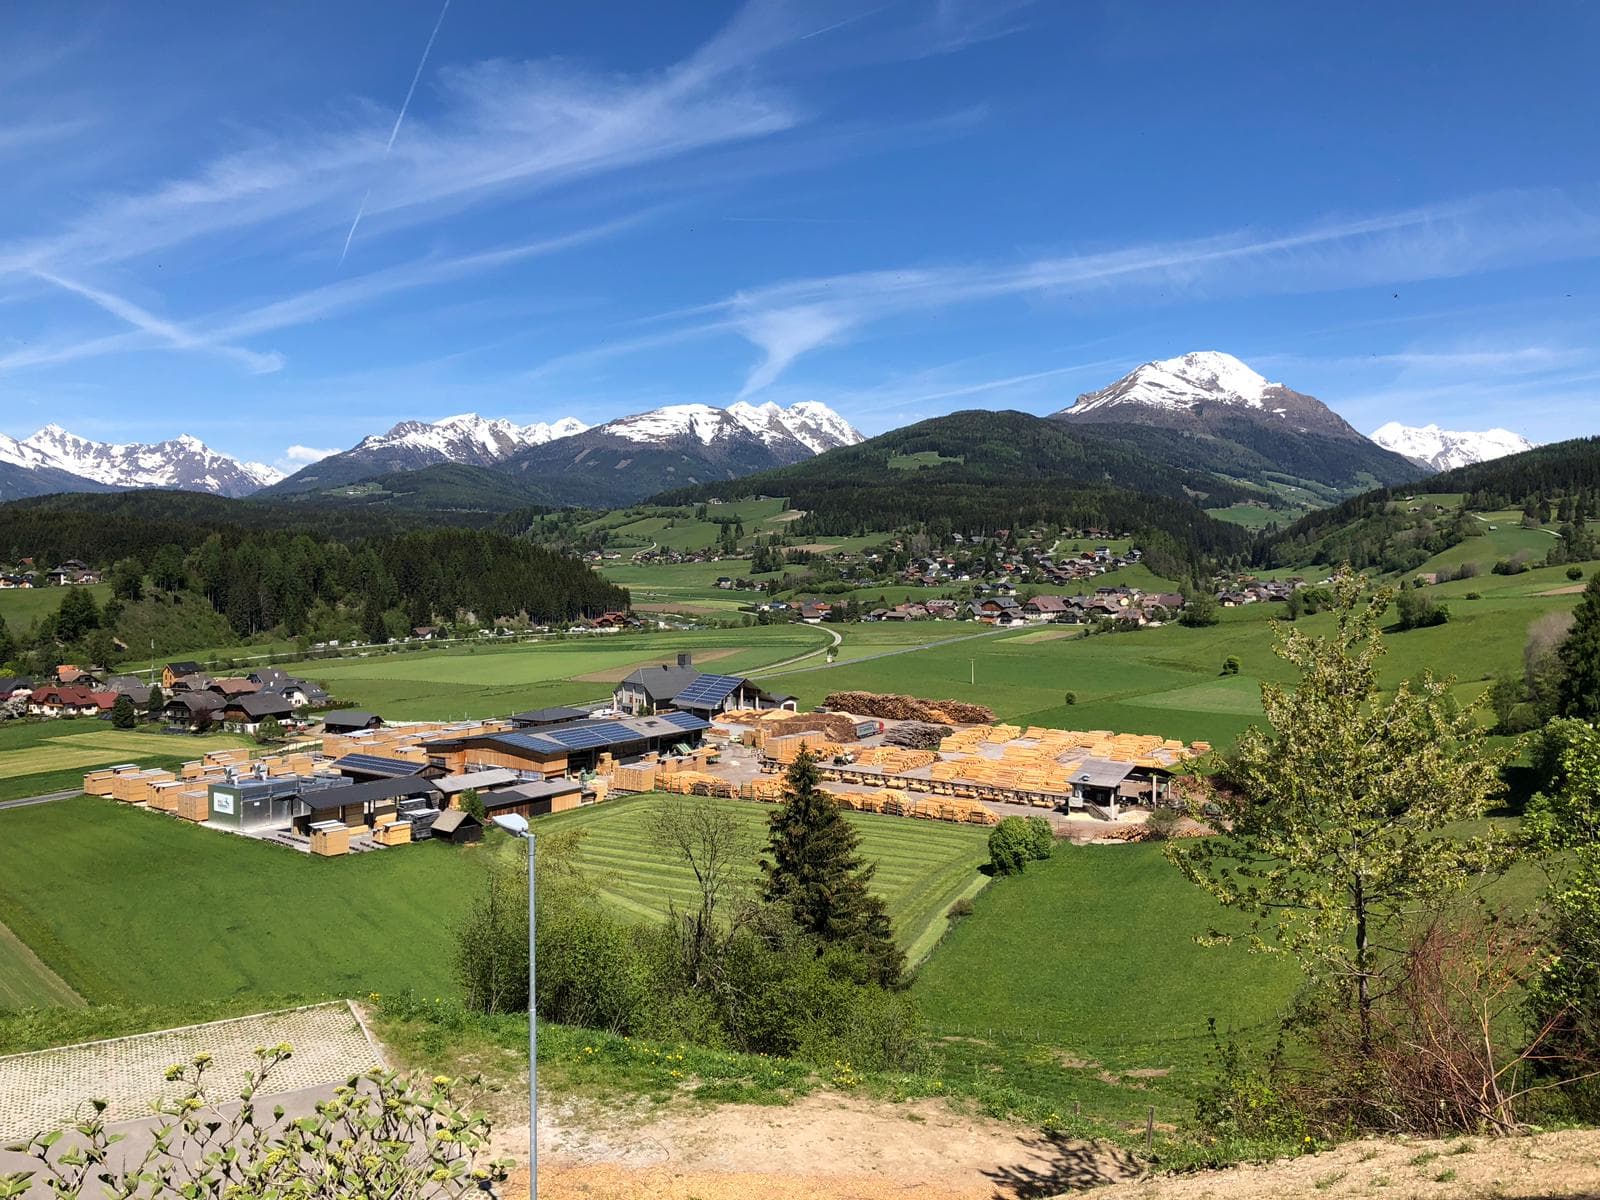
1443, 449
1209, 410
568, 462
184, 463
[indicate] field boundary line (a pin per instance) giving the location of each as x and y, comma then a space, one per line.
129, 1037
366, 1032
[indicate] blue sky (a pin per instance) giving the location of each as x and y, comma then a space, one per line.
217, 221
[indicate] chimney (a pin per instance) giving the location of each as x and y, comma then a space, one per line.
685, 658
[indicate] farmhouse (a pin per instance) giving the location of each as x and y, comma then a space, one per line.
681, 687
245, 713
56, 701
175, 671
19, 686
193, 710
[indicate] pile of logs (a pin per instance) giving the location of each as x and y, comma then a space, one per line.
910, 708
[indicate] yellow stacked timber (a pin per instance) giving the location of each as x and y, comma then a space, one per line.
786, 749
396, 833
1003, 733
682, 783
235, 757
634, 779
193, 804
600, 789
894, 759
164, 796
99, 783
330, 842
963, 741
194, 769
134, 787
768, 790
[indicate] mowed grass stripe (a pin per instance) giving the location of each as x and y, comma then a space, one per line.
921, 866
26, 982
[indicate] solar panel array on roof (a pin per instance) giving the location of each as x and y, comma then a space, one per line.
685, 722
374, 764
590, 737
708, 691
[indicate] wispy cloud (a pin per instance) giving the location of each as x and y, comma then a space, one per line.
295, 457
161, 330
788, 320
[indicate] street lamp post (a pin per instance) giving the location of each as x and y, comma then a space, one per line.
517, 826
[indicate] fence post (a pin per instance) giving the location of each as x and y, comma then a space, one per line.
1150, 1131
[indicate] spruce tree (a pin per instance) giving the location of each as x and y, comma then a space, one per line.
123, 714
814, 869
1578, 690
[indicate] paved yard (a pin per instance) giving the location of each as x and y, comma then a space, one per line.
46, 1089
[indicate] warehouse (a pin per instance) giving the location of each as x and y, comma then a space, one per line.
536, 799
350, 720
363, 767
252, 804
560, 749
358, 805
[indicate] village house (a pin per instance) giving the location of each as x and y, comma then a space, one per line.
58, 701
192, 710
174, 671
245, 713
681, 687
1046, 608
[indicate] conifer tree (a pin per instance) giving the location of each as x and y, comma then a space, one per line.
123, 713
814, 869
1578, 690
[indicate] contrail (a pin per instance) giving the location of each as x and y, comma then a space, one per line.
398, 121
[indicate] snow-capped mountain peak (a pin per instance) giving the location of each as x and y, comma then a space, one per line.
814, 426
462, 438
1183, 383
184, 462
1444, 449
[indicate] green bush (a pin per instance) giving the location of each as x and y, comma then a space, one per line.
1574, 573
1230, 665
1010, 846
1043, 838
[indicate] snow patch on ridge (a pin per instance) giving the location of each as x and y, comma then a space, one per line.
1445, 449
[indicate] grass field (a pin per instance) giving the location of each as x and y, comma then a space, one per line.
496, 680
1252, 516
922, 866
687, 587
21, 607
37, 758
1080, 981
25, 982
134, 907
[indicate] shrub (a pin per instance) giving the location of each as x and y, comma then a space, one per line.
961, 908
381, 1135
1010, 846
1250, 1102
1574, 573
1162, 822
1071, 698
1230, 665
1043, 838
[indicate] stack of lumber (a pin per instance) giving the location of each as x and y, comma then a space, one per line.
901, 804
768, 790
193, 805
330, 842
99, 783
895, 760
693, 783
599, 789
237, 757
634, 779
164, 796
964, 740
787, 749
910, 708
1003, 733
134, 787
394, 833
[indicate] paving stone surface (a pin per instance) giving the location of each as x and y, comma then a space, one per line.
50, 1088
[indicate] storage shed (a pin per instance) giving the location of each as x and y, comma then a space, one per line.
350, 720
458, 827
361, 804
534, 799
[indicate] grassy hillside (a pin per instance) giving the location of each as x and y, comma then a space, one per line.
136, 907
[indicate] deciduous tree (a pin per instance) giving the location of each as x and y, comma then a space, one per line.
1340, 815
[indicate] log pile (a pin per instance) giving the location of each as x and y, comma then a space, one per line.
891, 707
834, 726
917, 735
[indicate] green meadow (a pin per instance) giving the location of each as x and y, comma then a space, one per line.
21, 607
135, 907
37, 758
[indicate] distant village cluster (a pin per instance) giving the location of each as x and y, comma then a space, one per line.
186, 698
26, 575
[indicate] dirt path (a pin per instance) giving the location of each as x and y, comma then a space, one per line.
825, 1147
1544, 1167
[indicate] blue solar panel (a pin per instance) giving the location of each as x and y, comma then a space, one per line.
373, 764
687, 722
708, 691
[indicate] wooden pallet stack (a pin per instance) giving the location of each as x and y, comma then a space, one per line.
393, 833
634, 779
768, 790
896, 760
193, 804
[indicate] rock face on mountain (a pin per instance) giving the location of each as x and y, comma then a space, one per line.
57, 460
1214, 412
681, 445
1444, 449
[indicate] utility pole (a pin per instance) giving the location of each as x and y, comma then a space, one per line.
972, 671
533, 1029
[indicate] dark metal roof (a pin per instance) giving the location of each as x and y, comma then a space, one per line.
549, 716
374, 764
350, 718
586, 735
1101, 772
261, 704
525, 792
323, 799
663, 682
